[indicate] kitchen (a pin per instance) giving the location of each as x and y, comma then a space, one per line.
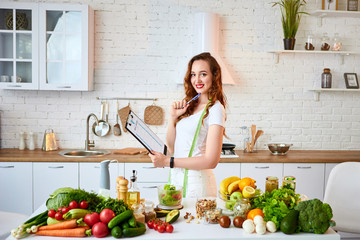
141, 49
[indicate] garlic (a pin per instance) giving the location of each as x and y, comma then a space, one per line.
271, 227
248, 226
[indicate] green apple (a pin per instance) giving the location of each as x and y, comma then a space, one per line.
235, 196
229, 204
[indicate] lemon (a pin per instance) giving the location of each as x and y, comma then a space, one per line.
248, 192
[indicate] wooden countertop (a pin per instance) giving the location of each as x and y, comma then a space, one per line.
262, 156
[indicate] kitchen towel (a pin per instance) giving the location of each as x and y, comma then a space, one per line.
154, 115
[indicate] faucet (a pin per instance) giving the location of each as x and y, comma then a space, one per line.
88, 143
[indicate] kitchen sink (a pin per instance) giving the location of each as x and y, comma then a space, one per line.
84, 153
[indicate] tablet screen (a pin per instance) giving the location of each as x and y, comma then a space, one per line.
143, 134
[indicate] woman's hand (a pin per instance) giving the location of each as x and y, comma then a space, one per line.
159, 159
177, 109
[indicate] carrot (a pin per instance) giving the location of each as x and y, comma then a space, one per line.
61, 225
74, 232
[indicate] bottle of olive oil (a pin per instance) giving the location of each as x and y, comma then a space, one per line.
133, 194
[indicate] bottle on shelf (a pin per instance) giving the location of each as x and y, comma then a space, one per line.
133, 194
326, 78
325, 42
310, 43
336, 46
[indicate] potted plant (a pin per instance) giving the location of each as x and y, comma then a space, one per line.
291, 11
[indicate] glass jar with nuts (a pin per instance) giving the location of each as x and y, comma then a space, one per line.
212, 216
204, 204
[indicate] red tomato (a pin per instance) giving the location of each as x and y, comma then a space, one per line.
155, 226
106, 215
150, 224
84, 204
51, 213
64, 210
91, 218
169, 228
59, 210
73, 204
161, 228
59, 216
100, 230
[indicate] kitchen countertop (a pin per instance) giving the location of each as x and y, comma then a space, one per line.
262, 156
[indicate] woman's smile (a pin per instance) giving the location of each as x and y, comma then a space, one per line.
199, 86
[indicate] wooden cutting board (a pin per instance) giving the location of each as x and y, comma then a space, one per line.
131, 151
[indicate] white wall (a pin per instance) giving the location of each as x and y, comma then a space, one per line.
140, 45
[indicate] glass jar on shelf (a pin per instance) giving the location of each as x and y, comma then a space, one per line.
310, 43
325, 42
326, 78
336, 46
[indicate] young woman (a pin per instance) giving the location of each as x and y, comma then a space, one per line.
203, 76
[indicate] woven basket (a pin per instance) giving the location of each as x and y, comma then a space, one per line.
154, 115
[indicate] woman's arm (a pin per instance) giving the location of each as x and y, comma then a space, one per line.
208, 161
170, 136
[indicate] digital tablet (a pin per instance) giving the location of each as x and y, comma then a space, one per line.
143, 134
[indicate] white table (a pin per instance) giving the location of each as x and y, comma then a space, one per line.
189, 231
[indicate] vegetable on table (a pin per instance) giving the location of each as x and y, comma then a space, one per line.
314, 216
73, 223
30, 225
76, 213
118, 206
74, 232
120, 218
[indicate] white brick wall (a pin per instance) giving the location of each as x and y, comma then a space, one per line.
141, 46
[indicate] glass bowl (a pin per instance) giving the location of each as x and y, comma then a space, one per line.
170, 195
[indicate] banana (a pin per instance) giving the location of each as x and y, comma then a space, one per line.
226, 182
233, 186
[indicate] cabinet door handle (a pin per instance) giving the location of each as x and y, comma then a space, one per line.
55, 166
14, 85
7, 166
262, 167
96, 167
63, 86
304, 167
150, 187
148, 167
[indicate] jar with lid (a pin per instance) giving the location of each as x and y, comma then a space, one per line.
149, 211
336, 46
242, 207
271, 184
139, 212
309, 45
325, 42
289, 182
326, 78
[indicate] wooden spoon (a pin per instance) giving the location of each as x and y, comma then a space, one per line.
258, 134
253, 132
116, 128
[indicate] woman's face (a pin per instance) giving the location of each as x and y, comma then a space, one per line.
201, 76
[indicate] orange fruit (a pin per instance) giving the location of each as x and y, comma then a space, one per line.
254, 212
246, 181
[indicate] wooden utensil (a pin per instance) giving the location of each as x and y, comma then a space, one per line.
116, 128
253, 132
258, 134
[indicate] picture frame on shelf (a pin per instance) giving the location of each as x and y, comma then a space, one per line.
329, 5
351, 80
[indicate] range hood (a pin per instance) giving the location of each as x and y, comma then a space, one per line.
206, 39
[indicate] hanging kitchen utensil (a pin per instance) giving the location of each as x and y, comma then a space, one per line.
103, 128
123, 114
154, 115
116, 128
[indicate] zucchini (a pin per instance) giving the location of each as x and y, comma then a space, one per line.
120, 218
132, 222
133, 232
172, 216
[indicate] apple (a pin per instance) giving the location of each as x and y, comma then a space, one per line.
229, 204
235, 196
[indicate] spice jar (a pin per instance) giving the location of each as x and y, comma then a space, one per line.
149, 211
242, 207
336, 46
325, 42
309, 45
326, 78
271, 184
139, 213
212, 215
289, 182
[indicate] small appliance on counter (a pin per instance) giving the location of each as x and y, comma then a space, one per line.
227, 151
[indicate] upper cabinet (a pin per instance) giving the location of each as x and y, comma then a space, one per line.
50, 46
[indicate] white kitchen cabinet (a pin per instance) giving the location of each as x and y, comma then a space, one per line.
259, 172
89, 176
49, 176
55, 51
309, 178
225, 170
16, 187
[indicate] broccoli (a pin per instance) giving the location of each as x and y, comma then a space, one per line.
314, 216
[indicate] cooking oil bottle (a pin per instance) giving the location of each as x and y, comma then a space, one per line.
133, 194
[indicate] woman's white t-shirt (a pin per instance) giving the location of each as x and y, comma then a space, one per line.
201, 183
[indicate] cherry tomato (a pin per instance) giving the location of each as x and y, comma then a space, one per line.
73, 204
92, 218
161, 228
150, 224
59, 216
51, 213
64, 210
169, 228
59, 210
84, 204
155, 226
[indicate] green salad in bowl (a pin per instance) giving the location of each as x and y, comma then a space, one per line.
170, 195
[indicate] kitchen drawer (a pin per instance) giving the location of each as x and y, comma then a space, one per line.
146, 172
225, 170
16, 187
53, 175
259, 172
309, 178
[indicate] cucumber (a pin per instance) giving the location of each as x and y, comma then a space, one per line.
172, 216
140, 224
120, 218
125, 225
132, 222
133, 232
116, 232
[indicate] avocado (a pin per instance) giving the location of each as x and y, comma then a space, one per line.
290, 222
161, 213
172, 216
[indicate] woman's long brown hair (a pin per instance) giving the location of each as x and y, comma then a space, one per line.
216, 90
